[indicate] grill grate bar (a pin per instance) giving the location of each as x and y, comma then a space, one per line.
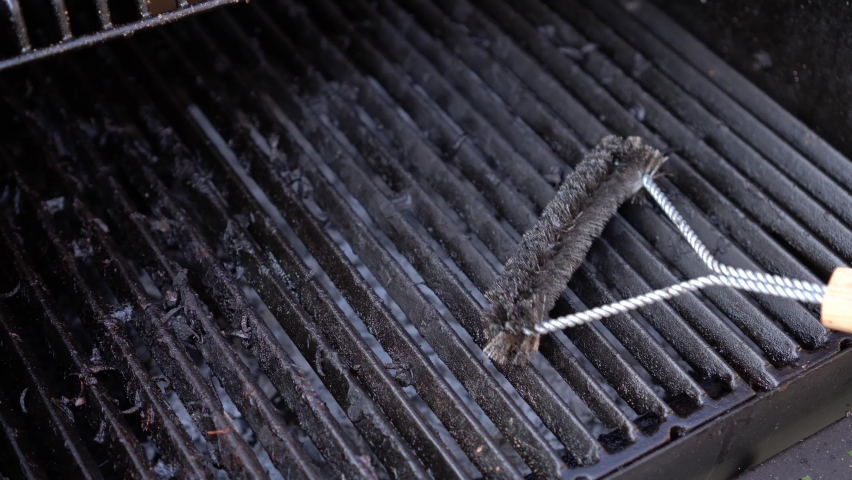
507, 87
451, 292
752, 169
172, 440
584, 385
702, 359
186, 380
390, 448
354, 351
104, 17
635, 338
759, 245
64, 443
16, 452
429, 384
554, 413
771, 341
792, 315
63, 20
412, 305
283, 449
779, 348
226, 296
723, 91
99, 409
720, 107
757, 242
698, 155
16, 16
449, 347
712, 328
631, 386
403, 184
316, 349
432, 82
345, 339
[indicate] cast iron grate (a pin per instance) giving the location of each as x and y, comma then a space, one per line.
253, 244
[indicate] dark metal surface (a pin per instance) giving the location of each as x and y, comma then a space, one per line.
146, 14
752, 433
99, 410
790, 57
824, 455
287, 211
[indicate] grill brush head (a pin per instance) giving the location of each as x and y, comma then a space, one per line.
551, 251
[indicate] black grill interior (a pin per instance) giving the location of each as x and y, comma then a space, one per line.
252, 244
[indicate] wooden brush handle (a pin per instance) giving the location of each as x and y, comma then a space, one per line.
836, 312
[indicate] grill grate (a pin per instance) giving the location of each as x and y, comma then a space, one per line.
255, 245
32, 30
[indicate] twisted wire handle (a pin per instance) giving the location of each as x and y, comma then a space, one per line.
720, 268
667, 293
726, 277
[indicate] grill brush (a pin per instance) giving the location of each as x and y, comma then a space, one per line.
553, 249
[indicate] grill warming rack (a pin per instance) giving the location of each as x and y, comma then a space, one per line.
61, 26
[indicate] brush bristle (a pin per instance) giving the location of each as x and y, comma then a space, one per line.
550, 252
511, 348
